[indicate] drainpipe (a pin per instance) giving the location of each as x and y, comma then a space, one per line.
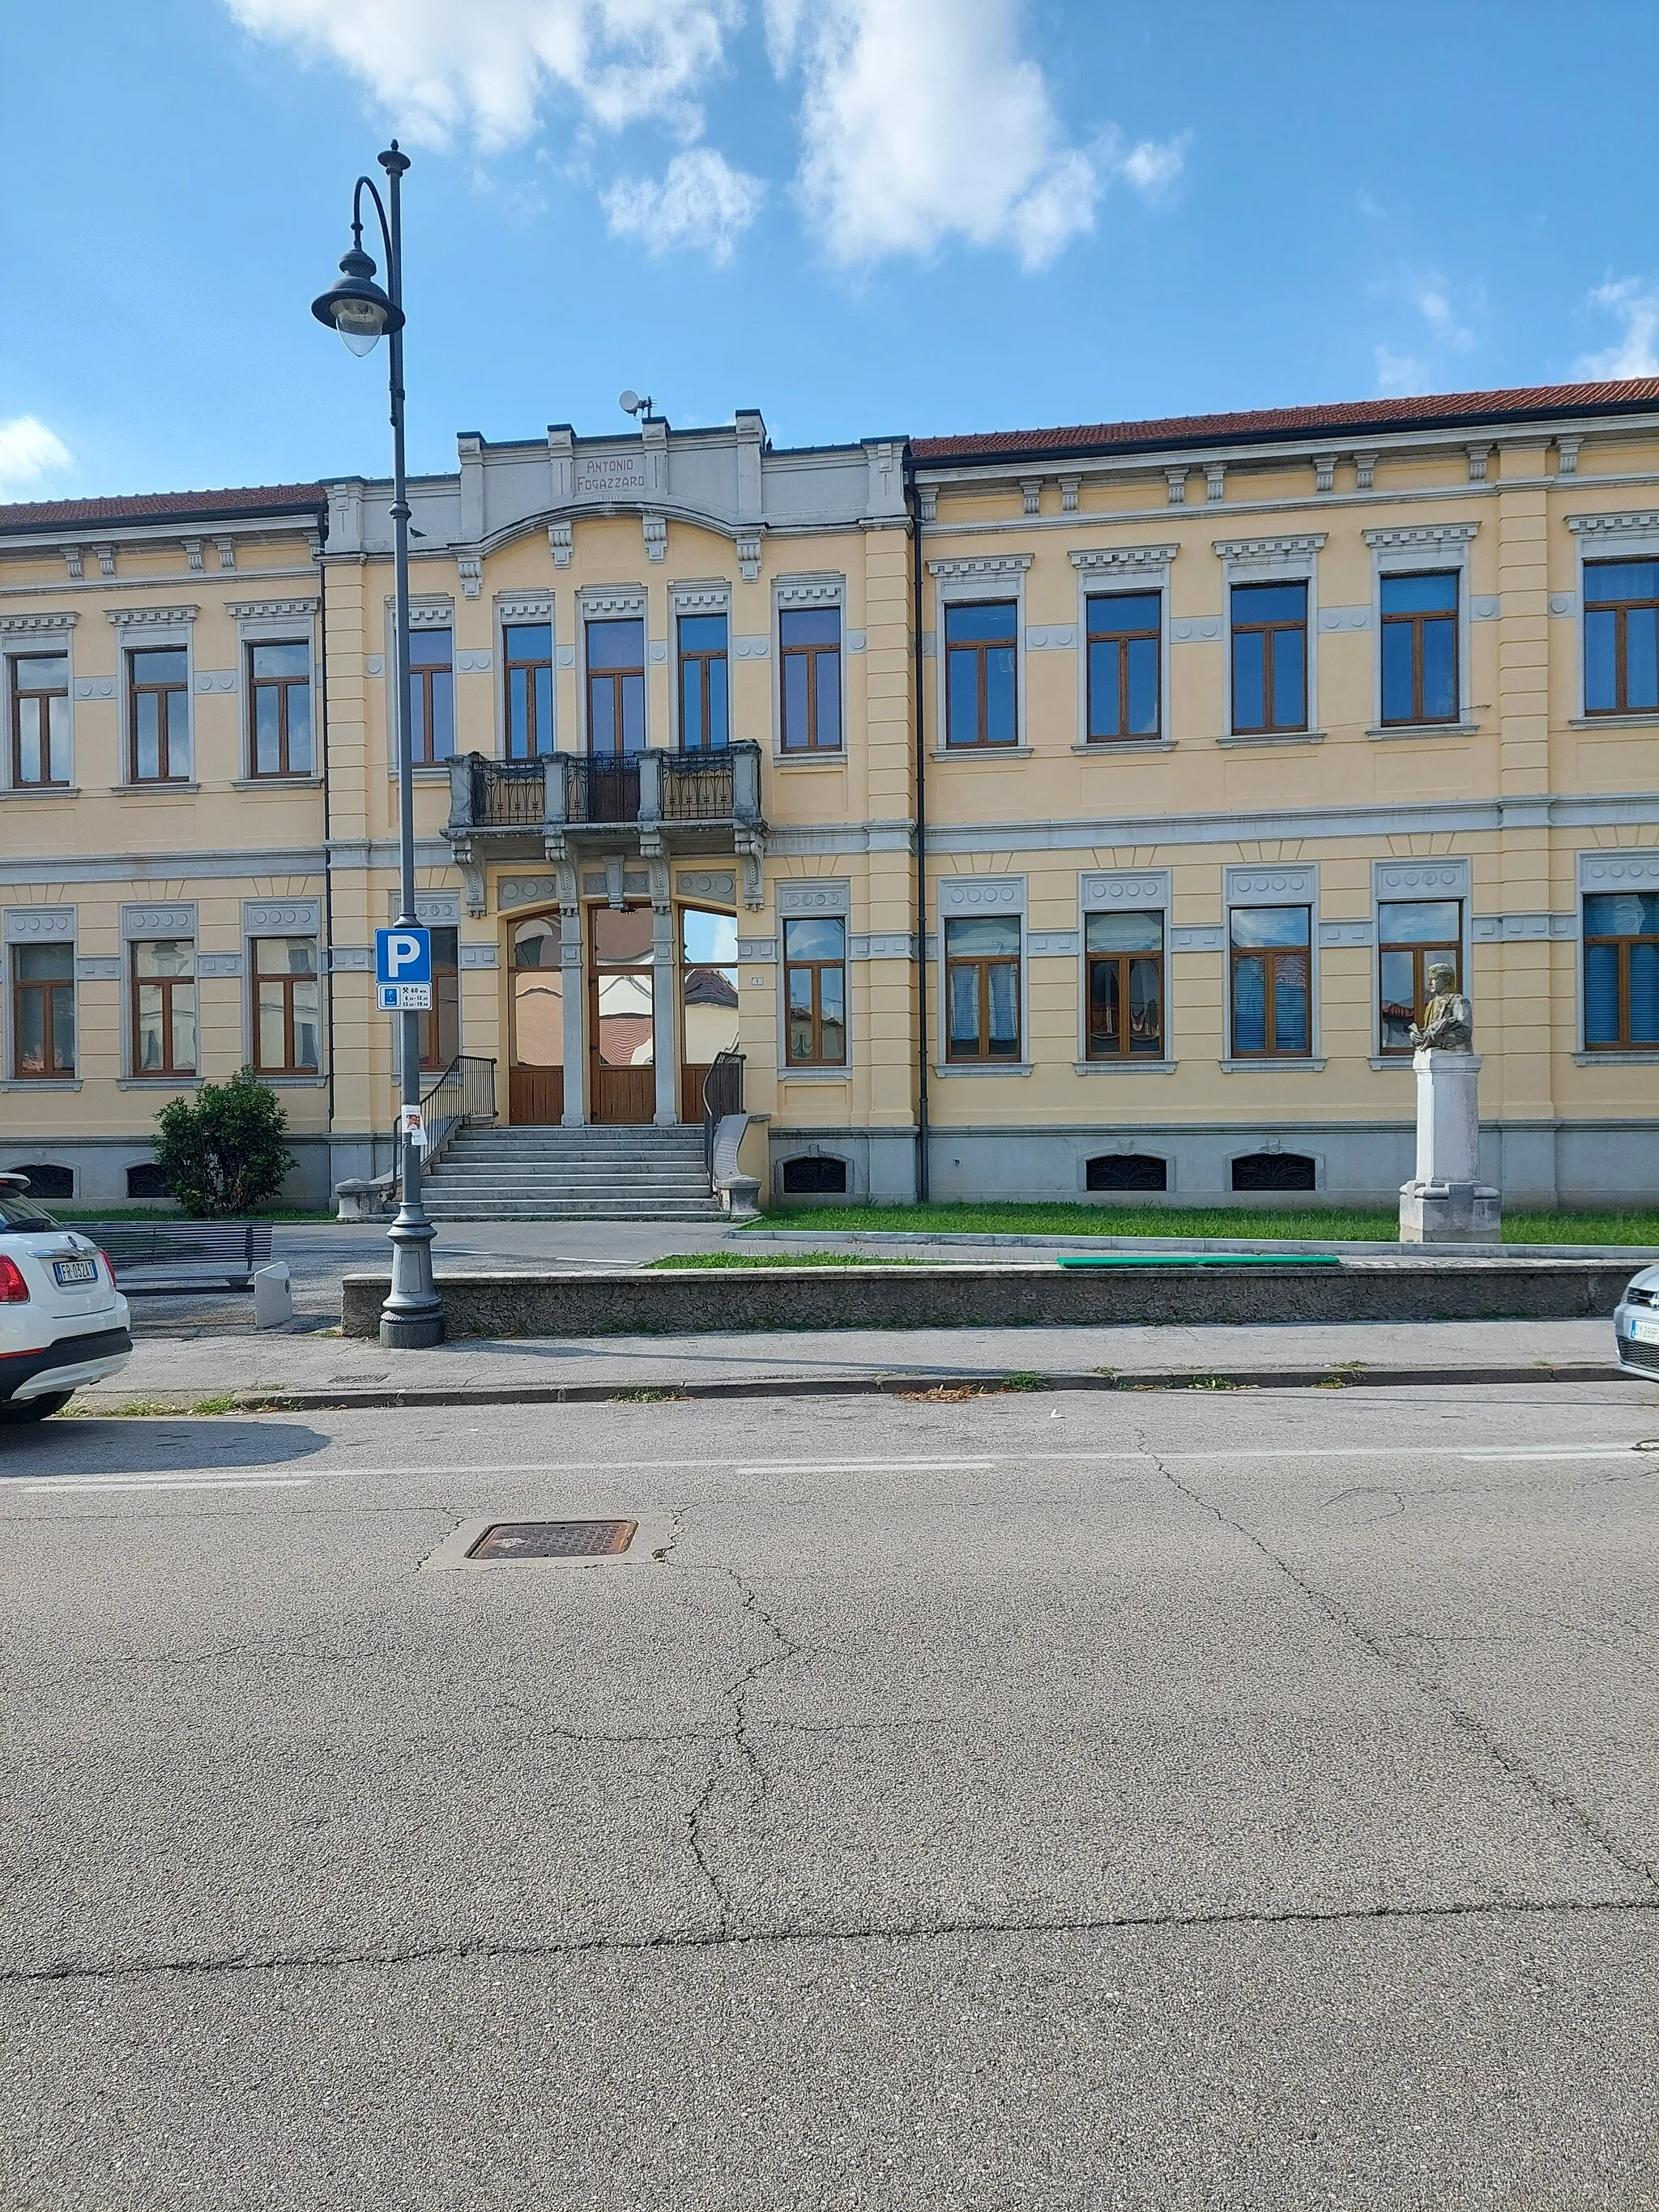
328, 846
913, 500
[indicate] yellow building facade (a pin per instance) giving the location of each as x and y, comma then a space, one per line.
1037, 814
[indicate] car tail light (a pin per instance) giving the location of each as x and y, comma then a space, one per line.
13, 1290
110, 1264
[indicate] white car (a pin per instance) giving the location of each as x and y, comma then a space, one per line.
1635, 1325
63, 1322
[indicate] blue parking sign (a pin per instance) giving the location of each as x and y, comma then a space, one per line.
402, 969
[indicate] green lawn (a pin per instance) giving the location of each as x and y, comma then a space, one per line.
1350, 1224
675, 1260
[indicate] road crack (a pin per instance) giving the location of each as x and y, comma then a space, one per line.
1397, 1657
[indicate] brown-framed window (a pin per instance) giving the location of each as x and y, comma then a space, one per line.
40, 718
158, 708
43, 1012
287, 1005
1270, 658
980, 655
164, 1006
1123, 671
1622, 637
809, 650
432, 696
441, 1025
982, 988
705, 712
527, 656
1621, 971
815, 990
1419, 647
1271, 981
615, 686
1125, 958
1412, 936
279, 693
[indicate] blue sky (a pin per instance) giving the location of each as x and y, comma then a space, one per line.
863, 216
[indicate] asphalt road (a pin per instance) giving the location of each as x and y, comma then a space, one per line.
1243, 1800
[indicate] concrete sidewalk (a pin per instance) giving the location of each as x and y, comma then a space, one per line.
303, 1372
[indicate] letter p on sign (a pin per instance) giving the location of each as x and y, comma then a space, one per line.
402, 969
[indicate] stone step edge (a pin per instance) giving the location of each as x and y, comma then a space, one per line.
991, 1381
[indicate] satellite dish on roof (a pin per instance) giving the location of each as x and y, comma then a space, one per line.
631, 403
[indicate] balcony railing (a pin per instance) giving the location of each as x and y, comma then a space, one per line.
575, 790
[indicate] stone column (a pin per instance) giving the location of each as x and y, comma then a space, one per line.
666, 1043
575, 981
1445, 1202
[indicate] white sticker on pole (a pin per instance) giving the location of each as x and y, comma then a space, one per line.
412, 1124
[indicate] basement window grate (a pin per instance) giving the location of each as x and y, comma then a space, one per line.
554, 1540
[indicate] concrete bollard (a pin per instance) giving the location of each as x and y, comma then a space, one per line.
273, 1295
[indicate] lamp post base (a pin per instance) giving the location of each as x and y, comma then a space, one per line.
412, 1318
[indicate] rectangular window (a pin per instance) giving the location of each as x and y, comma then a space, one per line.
704, 718
431, 696
1123, 672
815, 991
287, 1005
158, 704
809, 643
615, 686
1271, 974
980, 651
440, 1025
40, 718
164, 1007
43, 1012
1412, 936
1419, 648
1622, 637
982, 988
1621, 971
1125, 958
1270, 658
527, 655
279, 688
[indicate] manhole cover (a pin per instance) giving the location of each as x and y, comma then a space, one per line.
554, 1540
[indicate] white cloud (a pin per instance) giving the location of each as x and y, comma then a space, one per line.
439, 67
1428, 361
1154, 168
921, 120
702, 202
1436, 309
1636, 305
1398, 374
29, 451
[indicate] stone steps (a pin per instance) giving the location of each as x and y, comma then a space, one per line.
603, 1173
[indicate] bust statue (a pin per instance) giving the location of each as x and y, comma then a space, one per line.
1448, 1019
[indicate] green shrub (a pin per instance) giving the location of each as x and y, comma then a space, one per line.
222, 1153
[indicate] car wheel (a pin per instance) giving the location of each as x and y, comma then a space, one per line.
35, 1409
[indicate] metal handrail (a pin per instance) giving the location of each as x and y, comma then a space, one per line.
463, 1095
722, 1094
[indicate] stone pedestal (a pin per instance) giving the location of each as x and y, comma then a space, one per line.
1445, 1202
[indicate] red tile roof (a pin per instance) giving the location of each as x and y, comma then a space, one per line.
240, 505
1451, 411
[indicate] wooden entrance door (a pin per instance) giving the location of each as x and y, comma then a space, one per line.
535, 1076
621, 1027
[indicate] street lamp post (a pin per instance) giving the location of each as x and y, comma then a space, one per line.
356, 305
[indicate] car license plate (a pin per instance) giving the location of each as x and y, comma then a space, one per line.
76, 1271
1644, 1332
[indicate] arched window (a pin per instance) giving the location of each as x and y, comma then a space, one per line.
815, 1175
1274, 1171
1127, 1171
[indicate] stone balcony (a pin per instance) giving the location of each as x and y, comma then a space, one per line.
570, 806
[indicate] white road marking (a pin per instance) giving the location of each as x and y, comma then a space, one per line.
77, 1486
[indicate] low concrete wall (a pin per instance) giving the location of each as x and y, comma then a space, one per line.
699, 1301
